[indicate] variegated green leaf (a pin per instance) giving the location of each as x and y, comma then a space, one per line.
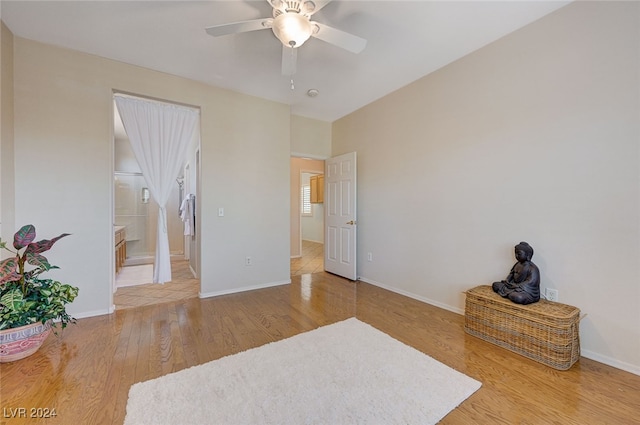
13, 300
39, 261
8, 270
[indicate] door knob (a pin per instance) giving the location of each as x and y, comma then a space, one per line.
352, 222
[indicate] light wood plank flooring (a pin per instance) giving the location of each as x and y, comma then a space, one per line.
85, 374
184, 286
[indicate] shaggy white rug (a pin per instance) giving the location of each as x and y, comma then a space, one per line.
344, 373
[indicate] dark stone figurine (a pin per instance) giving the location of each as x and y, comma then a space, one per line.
522, 286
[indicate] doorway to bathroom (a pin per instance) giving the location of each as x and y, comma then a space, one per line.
136, 223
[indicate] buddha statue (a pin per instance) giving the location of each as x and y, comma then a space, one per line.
522, 285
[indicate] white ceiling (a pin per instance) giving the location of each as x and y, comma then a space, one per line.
405, 41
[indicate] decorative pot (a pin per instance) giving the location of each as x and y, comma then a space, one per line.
18, 343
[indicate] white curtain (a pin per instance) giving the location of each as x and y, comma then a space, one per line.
160, 134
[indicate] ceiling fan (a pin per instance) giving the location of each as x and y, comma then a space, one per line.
292, 25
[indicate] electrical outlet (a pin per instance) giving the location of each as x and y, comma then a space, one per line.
552, 294
369, 256
248, 261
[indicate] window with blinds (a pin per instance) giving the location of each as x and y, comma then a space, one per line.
305, 200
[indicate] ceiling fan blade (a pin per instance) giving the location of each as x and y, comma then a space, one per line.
238, 27
278, 4
339, 38
289, 60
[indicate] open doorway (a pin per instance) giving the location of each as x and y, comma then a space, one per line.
307, 216
135, 224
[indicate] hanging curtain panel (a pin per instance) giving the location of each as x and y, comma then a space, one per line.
160, 134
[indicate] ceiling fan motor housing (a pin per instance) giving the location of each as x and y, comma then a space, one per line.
292, 28
292, 25
302, 7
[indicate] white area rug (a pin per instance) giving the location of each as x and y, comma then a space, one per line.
135, 275
344, 373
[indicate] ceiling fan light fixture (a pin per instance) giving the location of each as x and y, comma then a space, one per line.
292, 29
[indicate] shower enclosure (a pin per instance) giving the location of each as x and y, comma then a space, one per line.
136, 210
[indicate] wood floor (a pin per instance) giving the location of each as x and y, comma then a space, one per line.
85, 374
183, 285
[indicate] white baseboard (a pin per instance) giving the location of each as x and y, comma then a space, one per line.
94, 313
243, 289
412, 295
609, 361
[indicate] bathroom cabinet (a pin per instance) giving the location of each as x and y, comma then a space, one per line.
317, 188
120, 246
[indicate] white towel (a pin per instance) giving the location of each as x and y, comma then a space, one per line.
186, 213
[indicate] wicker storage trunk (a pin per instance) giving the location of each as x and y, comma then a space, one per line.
544, 331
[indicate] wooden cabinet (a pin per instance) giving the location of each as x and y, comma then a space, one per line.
121, 247
317, 188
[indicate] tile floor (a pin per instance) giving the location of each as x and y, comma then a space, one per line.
134, 275
182, 286
311, 261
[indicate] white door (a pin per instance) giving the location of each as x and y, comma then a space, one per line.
340, 215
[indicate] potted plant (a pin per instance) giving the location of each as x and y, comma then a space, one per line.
29, 305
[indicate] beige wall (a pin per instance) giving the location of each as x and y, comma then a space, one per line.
299, 165
7, 192
533, 138
310, 138
64, 170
